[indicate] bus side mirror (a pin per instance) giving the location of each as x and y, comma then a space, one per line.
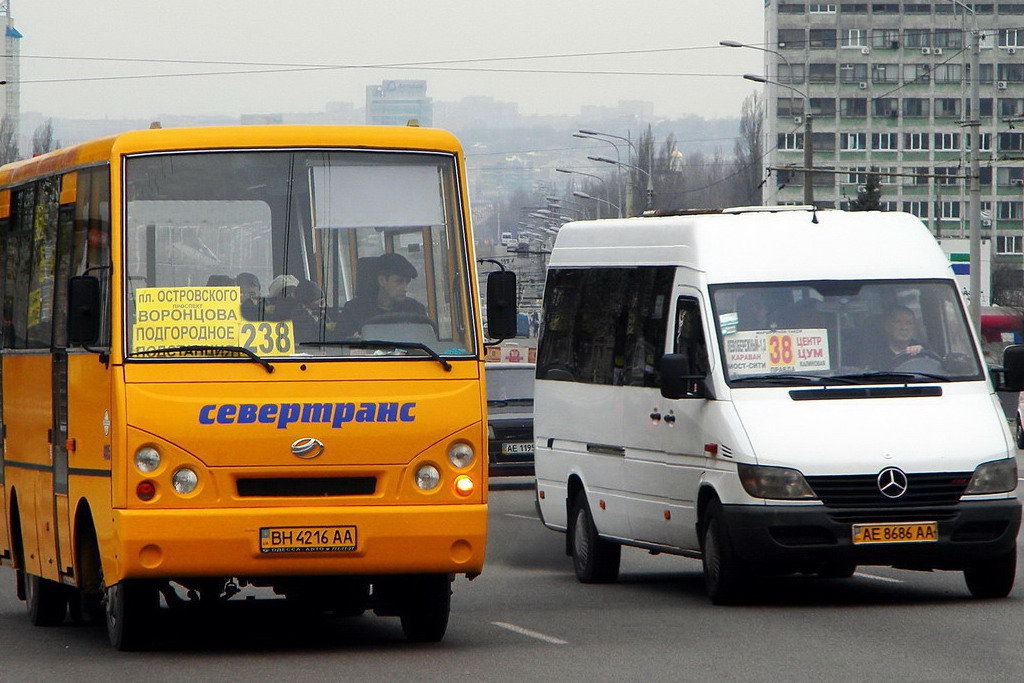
679, 380
501, 304
1013, 368
83, 310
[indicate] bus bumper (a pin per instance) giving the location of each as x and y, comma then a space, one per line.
227, 542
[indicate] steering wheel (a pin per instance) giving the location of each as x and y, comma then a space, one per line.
904, 358
401, 318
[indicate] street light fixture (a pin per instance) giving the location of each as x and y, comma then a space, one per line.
636, 153
808, 134
584, 195
598, 178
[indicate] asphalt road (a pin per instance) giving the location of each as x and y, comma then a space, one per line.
527, 618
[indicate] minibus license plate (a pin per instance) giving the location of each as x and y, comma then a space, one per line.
910, 532
308, 539
517, 448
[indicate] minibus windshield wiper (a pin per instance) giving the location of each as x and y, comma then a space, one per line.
502, 402
869, 377
382, 344
200, 348
782, 378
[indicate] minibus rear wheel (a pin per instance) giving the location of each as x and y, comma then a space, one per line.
594, 559
992, 578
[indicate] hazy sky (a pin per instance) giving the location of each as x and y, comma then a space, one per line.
549, 56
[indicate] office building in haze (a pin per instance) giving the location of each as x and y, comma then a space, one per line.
395, 103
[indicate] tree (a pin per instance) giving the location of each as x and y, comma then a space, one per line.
749, 150
8, 141
868, 195
42, 138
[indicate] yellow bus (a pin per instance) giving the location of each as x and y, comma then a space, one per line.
243, 360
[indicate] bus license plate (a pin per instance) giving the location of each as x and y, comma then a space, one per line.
909, 532
307, 539
517, 448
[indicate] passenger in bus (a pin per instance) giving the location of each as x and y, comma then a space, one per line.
220, 281
281, 288
252, 302
388, 286
309, 312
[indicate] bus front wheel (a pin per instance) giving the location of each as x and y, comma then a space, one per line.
131, 610
427, 605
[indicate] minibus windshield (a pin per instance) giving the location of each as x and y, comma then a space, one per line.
295, 253
843, 332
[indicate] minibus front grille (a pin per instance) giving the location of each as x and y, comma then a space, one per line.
861, 490
306, 487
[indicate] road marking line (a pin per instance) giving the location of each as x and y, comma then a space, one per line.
878, 578
529, 517
532, 634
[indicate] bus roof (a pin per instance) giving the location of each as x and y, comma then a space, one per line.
754, 246
227, 137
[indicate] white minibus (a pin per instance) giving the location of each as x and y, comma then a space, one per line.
771, 390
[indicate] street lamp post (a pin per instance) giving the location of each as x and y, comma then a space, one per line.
598, 178
636, 155
808, 135
618, 170
584, 195
650, 192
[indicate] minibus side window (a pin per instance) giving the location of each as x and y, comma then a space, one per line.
689, 335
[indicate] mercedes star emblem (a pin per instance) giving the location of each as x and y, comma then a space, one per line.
892, 482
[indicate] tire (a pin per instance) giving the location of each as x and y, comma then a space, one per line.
131, 609
725, 577
1020, 433
427, 606
837, 570
993, 578
594, 559
46, 601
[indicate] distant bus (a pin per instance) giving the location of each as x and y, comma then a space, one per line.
507, 239
181, 420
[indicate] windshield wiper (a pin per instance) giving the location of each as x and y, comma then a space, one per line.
381, 344
199, 348
778, 377
502, 402
861, 377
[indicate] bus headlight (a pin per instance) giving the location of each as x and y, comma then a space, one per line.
147, 459
184, 480
778, 483
460, 455
427, 477
998, 476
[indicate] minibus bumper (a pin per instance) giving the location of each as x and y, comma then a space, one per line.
792, 538
227, 542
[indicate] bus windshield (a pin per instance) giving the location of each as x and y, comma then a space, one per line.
844, 332
295, 253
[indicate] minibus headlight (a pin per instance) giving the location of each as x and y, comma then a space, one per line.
779, 483
184, 480
998, 476
427, 477
460, 455
147, 459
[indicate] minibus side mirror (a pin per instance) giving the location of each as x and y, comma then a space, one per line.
1013, 369
84, 310
502, 294
679, 380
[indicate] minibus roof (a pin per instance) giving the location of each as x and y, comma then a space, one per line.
761, 244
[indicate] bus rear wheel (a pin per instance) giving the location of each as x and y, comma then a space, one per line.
47, 601
131, 609
594, 559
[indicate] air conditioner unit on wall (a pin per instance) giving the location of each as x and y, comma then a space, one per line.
798, 119
936, 50
1000, 85
1017, 182
865, 50
1011, 50
926, 50
863, 85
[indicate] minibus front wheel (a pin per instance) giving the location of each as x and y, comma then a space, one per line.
992, 578
725, 576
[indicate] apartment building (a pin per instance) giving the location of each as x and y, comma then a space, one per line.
887, 87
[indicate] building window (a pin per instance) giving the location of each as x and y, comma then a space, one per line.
885, 38
788, 8
1005, 8
1008, 211
919, 209
1011, 142
948, 73
822, 73
885, 8
822, 38
853, 106
888, 142
949, 211
945, 142
986, 141
916, 106
916, 73
821, 8
855, 37
886, 175
915, 141
1011, 106
790, 141
1011, 37
947, 37
946, 175
947, 107
853, 8
1009, 244
885, 73
853, 141
857, 175
917, 37
918, 175
823, 106
792, 38
789, 106
824, 142
917, 8
791, 73
853, 73
1012, 73
987, 72
885, 106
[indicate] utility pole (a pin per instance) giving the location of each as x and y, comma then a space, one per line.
974, 125
808, 154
